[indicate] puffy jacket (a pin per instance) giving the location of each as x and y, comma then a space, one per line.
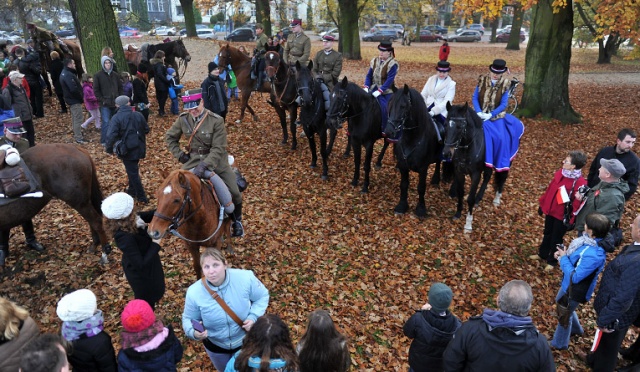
29, 65
17, 96
431, 334
129, 126
584, 261
159, 74
10, 351
94, 353
548, 202
164, 358
90, 100
71, 87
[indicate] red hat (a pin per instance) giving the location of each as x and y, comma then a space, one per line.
137, 316
328, 38
296, 22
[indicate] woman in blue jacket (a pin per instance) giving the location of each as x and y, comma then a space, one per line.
243, 293
584, 259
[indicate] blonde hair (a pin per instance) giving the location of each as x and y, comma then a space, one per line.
213, 253
54, 55
11, 316
106, 51
86, 77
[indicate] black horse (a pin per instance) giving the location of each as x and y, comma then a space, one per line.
313, 115
172, 50
465, 145
362, 111
412, 130
283, 93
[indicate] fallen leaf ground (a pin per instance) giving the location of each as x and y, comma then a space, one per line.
322, 244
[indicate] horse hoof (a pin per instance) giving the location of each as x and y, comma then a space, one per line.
312, 166
255, 118
364, 191
92, 249
346, 156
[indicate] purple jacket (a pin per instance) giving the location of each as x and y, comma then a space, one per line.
90, 100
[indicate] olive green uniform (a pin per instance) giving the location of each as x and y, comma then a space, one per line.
260, 43
297, 49
209, 145
328, 67
21, 145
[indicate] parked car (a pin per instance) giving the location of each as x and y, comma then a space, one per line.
380, 35
68, 32
183, 32
398, 28
436, 29
131, 34
333, 32
241, 34
8, 38
504, 37
469, 35
474, 26
506, 28
428, 36
206, 33
163, 31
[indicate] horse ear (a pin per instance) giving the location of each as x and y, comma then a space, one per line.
345, 82
310, 65
164, 173
405, 90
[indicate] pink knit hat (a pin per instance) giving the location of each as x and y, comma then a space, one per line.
137, 316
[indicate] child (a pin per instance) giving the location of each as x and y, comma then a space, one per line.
444, 50
232, 87
431, 327
83, 327
174, 90
322, 347
140, 259
147, 345
90, 102
127, 86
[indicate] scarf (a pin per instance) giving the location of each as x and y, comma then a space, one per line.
573, 174
581, 241
499, 319
91, 326
137, 339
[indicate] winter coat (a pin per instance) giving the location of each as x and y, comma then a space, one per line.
213, 95
71, 87
382, 74
549, 203
29, 65
10, 351
131, 127
244, 294
606, 198
439, 94
25, 85
491, 98
618, 297
127, 89
444, 52
141, 264
583, 262
174, 88
164, 358
139, 92
90, 100
476, 348
19, 101
159, 75
107, 86
628, 159
55, 69
431, 334
94, 353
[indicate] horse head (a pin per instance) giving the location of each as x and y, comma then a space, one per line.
399, 110
175, 198
272, 64
305, 83
457, 131
181, 50
339, 105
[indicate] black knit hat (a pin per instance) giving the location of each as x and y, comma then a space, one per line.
212, 66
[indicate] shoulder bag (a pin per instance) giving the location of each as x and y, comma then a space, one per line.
562, 306
222, 304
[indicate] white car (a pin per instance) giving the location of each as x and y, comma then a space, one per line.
9, 38
206, 33
164, 31
333, 32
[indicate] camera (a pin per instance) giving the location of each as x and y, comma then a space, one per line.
583, 189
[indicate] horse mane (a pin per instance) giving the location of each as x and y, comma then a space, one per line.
420, 110
468, 113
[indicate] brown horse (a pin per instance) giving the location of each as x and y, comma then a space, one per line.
65, 172
190, 211
241, 66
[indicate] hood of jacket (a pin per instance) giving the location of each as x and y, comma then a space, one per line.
102, 60
621, 185
440, 329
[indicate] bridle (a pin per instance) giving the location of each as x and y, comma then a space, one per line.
463, 134
311, 87
274, 80
180, 219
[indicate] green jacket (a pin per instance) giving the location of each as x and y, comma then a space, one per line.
297, 48
328, 67
260, 43
209, 144
21, 145
604, 198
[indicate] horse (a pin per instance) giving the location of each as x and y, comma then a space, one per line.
465, 146
313, 115
189, 210
172, 50
65, 172
411, 129
135, 56
241, 65
362, 111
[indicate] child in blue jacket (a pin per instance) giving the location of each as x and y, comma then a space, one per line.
174, 90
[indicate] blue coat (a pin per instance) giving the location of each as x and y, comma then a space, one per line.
585, 260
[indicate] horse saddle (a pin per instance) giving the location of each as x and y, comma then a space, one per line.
17, 181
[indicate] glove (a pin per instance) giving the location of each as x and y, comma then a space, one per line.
540, 211
140, 223
432, 113
377, 93
366, 88
200, 169
484, 116
184, 157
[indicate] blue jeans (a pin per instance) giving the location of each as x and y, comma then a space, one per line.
105, 115
219, 360
175, 109
562, 335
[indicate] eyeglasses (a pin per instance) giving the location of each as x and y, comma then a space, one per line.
566, 161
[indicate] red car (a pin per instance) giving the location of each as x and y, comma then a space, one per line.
504, 37
428, 36
130, 34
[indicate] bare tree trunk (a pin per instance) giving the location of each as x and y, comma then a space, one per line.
608, 49
96, 28
349, 35
546, 91
516, 25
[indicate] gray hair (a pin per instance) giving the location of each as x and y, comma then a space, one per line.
515, 298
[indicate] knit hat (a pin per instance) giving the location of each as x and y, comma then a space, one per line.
443, 66
440, 297
142, 68
117, 206
122, 100
613, 166
137, 316
498, 66
77, 306
212, 66
170, 71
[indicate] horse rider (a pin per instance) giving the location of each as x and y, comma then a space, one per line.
13, 131
257, 62
438, 90
502, 131
206, 152
327, 66
298, 46
381, 76
40, 35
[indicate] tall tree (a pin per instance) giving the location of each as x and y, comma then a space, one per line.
96, 28
189, 17
547, 64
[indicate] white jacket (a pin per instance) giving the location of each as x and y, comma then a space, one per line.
439, 95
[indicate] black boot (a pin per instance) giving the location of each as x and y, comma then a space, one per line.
30, 235
259, 81
238, 229
4, 252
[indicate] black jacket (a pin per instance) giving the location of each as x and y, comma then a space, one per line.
159, 75
139, 92
107, 87
55, 69
93, 354
431, 334
71, 87
29, 65
131, 127
628, 159
214, 95
17, 97
476, 348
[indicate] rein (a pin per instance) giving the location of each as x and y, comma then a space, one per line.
286, 85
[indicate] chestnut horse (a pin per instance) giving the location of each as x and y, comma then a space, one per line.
65, 172
188, 209
241, 65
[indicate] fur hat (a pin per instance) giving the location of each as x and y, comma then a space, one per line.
212, 66
499, 66
613, 166
77, 306
122, 100
443, 66
171, 71
137, 316
440, 297
117, 206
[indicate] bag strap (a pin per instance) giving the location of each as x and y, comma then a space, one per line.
195, 130
223, 304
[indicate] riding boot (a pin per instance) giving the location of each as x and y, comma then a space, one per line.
259, 81
30, 236
4, 246
238, 229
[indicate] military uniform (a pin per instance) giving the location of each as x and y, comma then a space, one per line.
40, 35
261, 41
297, 49
328, 67
258, 61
